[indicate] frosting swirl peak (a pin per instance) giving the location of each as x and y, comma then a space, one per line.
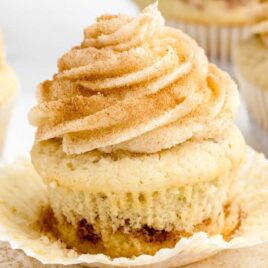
133, 84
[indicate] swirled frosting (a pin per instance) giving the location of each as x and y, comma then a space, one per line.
133, 84
261, 16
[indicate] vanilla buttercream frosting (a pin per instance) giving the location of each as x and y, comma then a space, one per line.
133, 84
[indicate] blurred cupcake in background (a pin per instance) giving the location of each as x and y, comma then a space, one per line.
217, 25
8, 90
251, 66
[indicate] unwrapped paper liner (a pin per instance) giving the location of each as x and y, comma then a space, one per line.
23, 194
218, 41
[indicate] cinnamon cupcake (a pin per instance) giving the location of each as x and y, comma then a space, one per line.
217, 25
136, 140
8, 90
251, 65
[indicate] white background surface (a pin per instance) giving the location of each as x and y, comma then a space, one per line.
36, 33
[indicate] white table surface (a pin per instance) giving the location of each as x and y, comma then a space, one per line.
36, 33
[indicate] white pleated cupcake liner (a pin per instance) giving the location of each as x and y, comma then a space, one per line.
219, 42
23, 195
5, 115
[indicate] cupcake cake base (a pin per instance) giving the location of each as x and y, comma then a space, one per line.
21, 212
137, 214
84, 239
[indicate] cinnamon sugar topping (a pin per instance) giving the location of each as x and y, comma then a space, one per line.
133, 84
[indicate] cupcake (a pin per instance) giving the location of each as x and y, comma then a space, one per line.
135, 140
251, 65
8, 90
217, 25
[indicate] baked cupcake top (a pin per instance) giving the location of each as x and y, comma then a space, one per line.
215, 12
133, 84
8, 80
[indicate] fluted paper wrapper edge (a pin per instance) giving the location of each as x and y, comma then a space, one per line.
23, 195
218, 41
